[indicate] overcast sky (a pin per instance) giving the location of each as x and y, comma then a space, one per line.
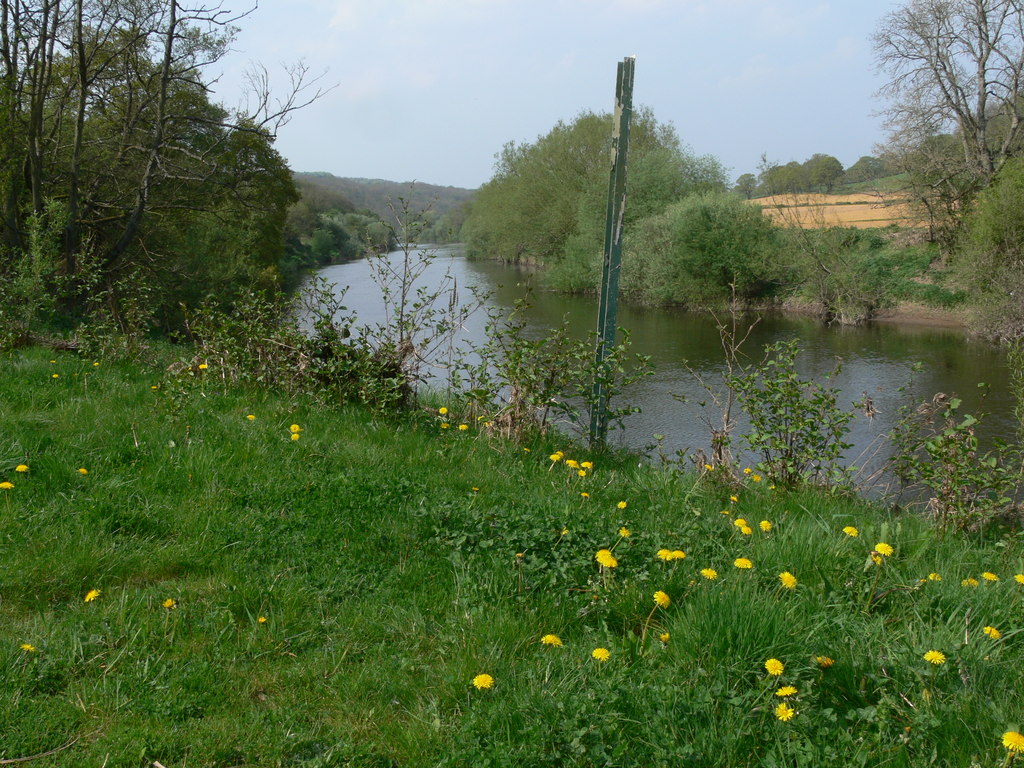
430, 90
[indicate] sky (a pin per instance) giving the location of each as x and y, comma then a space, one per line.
430, 90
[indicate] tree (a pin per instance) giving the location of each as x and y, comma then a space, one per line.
746, 185
822, 172
955, 66
867, 168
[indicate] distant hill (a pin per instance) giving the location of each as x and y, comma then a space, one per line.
373, 194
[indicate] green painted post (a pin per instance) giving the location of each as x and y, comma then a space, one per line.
608, 310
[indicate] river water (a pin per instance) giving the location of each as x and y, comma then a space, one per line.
876, 359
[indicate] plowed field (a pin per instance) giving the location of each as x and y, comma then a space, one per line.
812, 211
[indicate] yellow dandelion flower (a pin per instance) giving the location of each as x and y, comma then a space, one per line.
463, 427
621, 505
572, 463
756, 478
442, 410
91, 595
664, 637
662, 599
582, 473
739, 522
989, 576
584, 495
625, 532
665, 554
743, 563
601, 654
203, 366
784, 712
734, 499
1013, 741
28, 647
746, 530
774, 667
154, 387
295, 435
709, 573
251, 417
934, 577
445, 425
726, 511
786, 690
969, 582
606, 558
294, 428
765, 526
6, 485
708, 467
678, 554
935, 657
555, 457
169, 603
565, 531
992, 632
884, 549
876, 558
824, 661
788, 580
21, 468
852, 532
83, 471
552, 640
55, 376
480, 682
1019, 578
261, 620
587, 464
747, 470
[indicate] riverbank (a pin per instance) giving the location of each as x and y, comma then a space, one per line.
198, 573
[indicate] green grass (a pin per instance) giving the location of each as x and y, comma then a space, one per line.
393, 561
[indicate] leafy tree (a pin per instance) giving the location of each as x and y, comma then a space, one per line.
867, 168
746, 185
822, 172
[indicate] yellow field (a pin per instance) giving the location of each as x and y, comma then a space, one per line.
812, 211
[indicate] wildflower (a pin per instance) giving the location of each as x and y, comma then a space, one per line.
463, 427
445, 425
442, 410
678, 554
969, 582
606, 558
6, 485
55, 376
734, 499
774, 667
765, 526
747, 471
739, 522
625, 532
91, 595
935, 657
203, 366
884, 549
852, 532
261, 620
1019, 578
786, 690
989, 576
587, 464
665, 554
662, 599
784, 712
621, 505
788, 580
584, 495
726, 511
664, 637
295, 435
992, 632
572, 464
556, 457
743, 563
876, 558
83, 471
28, 647
709, 468
552, 640
934, 577
294, 429
169, 603
154, 387
251, 417
709, 573
483, 681
756, 478
824, 661
1013, 741
565, 531
582, 473
21, 468
601, 654
746, 530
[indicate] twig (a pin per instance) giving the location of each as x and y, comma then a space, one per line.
13, 760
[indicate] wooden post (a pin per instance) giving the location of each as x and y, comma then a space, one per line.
606, 318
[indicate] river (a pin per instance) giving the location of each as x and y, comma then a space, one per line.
876, 359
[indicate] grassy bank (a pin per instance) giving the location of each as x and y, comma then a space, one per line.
185, 581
